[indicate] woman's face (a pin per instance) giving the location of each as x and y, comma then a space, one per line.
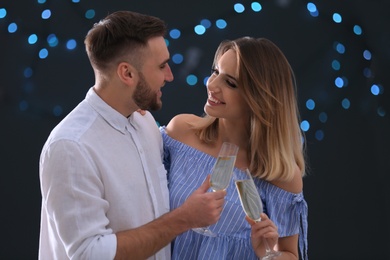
225, 98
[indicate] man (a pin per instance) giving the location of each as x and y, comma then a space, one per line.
103, 183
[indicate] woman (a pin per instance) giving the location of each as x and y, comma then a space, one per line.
251, 103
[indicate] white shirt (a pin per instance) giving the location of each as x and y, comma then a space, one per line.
100, 173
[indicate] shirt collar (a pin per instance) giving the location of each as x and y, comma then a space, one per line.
110, 115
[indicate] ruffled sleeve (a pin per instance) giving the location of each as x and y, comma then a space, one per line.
289, 212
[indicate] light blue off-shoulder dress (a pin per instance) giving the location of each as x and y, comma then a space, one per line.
187, 169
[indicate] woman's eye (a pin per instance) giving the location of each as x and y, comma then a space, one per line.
231, 84
214, 71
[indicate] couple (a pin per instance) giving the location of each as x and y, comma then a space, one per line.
103, 180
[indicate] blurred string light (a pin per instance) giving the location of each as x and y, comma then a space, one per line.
46, 14
310, 104
239, 8
312, 8
206, 23
357, 30
256, 6
177, 58
192, 80
337, 66
33, 38
337, 18
12, 27
345, 103
3, 13
221, 23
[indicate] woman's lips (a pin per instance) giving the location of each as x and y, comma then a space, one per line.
213, 100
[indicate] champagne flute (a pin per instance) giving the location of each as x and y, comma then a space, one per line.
221, 175
252, 205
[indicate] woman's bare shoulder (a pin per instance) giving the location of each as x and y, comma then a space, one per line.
295, 185
179, 127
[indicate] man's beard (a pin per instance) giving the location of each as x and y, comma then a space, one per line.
144, 97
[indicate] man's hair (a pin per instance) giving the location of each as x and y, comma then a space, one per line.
121, 36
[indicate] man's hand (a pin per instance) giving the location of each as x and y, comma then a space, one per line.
204, 208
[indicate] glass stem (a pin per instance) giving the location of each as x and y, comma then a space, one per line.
267, 248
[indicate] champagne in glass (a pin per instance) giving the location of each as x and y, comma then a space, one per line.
221, 175
252, 205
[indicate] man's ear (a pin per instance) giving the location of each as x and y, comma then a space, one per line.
126, 73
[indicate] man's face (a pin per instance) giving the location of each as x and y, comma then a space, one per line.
154, 74
145, 97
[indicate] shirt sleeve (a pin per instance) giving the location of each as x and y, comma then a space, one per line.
73, 195
166, 155
289, 212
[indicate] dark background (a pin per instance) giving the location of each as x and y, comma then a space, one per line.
346, 189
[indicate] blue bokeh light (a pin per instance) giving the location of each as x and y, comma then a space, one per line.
206, 23
27, 73
305, 125
357, 30
340, 48
199, 29
339, 82
191, 80
256, 6
375, 90
177, 58
71, 44
367, 55
381, 111
174, 33
367, 73
221, 24
323, 117
46, 14
345, 103
336, 65
89, 14
310, 104
43, 53
312, 8
205, 80
3, 12
337, 18
52, 40
32, 39
319, 135
239, 8
57, 110
12, 27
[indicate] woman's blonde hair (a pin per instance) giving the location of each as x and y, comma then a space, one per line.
266, 82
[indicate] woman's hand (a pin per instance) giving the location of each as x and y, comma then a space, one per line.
142, 112
264, 229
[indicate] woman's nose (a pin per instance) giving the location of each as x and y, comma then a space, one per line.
212, 84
